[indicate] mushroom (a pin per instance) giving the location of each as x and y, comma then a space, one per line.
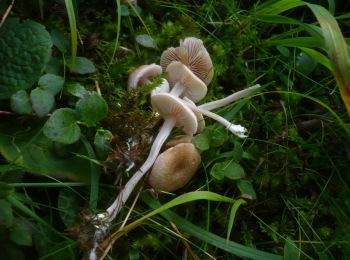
184, 82
175, 167
194, 55
141, 75
176, 113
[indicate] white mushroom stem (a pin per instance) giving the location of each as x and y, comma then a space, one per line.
177, 90
123, 196
229, 99
235, 129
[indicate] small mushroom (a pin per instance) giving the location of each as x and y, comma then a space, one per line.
142, 74
194, 55
184, 82
175, 167
176, 113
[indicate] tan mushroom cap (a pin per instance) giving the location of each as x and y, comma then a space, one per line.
195, 89
142, 74
171, 107
194, 55
175, 167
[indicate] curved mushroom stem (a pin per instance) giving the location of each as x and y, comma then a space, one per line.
235, 129
123, 196
229, 99
177, 90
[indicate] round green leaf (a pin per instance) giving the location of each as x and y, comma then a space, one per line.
201, 141
102, 143
42, 101
246, 188
83, 66
62, 126
92, 109
25, 48
20, 102
77, 90
59, 40
228, 169
51, 83
146, 41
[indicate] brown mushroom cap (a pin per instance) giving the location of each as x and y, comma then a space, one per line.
194, 88
170, 107
142, 74
175, 167
194, 55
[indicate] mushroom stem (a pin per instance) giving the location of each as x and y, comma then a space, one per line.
235, 129
123, 196
177, 90
229, 99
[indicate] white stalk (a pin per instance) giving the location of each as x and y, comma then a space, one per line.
123, 196
229, 99
177, 90
235, 129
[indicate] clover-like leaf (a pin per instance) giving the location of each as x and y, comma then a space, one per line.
228, 169
83, 66
77, 90
51, 83
62, 126
146, 41
92, 109
20, 102
42, 101
24, 53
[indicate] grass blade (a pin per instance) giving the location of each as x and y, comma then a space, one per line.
278, 6
337, 50
73, 31
233, 212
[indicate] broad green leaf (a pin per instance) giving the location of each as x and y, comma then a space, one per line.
20, 102
304, 63
228, 169
337, 50
5, 190
146, 41
51, 83
291, 251
42, 101
201, 141
246, 188
237, 152
69, 204
91, 110
6, 216
25, 48
102, 143
218, 136
62, 126
77, 90
83, 66
20, 233
59, 40
30, 149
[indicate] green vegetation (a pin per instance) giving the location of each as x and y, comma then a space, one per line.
71, 131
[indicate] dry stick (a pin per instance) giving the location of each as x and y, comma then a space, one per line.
8, 10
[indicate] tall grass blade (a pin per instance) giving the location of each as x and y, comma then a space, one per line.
337, 50
233, 212
274, 7
73, 31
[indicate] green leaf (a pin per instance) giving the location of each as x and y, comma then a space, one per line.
201, 141
319, 57
278, 6
228, 169
24, 53
82, 66
237, 152
146, 41
20, 234
246, 188
62, 126
20, 102
233, 212
73, 31
51, 83
69, 204
6, 216
92, 109
291, 251
42, 101
102, 143
77, 90
5, 190
30, 149
59, 40
304, 63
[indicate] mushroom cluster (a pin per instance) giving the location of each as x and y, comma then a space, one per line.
188, 71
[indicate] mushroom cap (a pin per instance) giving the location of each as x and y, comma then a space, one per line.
178, 140
171, 107
162, 88
194, 55
175, 167
141, 75
195, 89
